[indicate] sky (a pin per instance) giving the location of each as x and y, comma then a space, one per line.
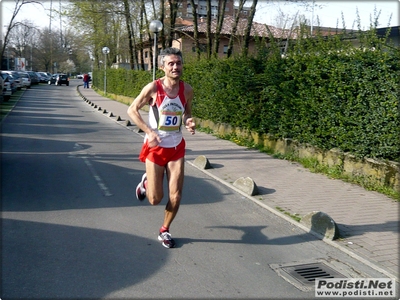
328, 12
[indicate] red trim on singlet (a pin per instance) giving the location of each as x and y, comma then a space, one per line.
161, 93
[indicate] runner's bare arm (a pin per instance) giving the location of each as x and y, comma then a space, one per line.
148, 93
187, 117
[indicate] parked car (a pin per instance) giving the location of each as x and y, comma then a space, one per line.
6, 89
52, 79
1, 82
17, 79
43, 77
34, 77
59, 79
79, 76
10, 80
2, 88
26, 79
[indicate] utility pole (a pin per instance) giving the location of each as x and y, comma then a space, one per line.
51, 39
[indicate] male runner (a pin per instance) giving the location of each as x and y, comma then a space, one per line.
170, 101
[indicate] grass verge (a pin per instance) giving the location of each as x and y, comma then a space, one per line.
7, 106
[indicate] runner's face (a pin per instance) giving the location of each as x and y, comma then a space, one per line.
172, 66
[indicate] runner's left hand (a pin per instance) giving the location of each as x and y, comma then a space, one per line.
190, 125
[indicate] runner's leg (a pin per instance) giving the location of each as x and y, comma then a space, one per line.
154, 188
175, 176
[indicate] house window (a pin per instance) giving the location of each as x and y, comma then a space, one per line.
225, 49
146, 54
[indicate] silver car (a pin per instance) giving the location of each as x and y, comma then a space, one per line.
26, 79
44, 77
34, 77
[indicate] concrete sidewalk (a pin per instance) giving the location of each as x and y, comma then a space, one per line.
367, 221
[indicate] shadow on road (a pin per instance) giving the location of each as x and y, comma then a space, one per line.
59, 262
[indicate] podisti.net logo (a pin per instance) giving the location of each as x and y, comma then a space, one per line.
355, 287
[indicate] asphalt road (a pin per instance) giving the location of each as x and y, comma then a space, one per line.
72, 227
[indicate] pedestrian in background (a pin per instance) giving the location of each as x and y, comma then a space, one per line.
86, 81
170, 101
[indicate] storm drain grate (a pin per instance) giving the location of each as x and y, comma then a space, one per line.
308, 273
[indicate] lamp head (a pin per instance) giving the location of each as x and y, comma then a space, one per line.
105, 50
156, 26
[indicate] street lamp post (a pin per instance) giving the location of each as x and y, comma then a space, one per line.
155, 26
312, 16
105, 50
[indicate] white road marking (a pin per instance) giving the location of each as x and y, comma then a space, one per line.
103, 187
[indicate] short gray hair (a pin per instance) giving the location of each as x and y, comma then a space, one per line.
169, 51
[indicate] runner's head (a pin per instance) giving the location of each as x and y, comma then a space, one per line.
171, 62
169, 51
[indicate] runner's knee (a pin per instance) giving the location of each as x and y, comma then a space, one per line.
155, 199
175, 198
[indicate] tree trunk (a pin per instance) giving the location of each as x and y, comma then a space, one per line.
130, 34
208, 33
195, 30
141, 27
173, 11
245, 49
220, 22
234, 28
162, 18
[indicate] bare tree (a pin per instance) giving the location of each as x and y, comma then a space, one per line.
195, 29
128, 21
45, 49
250, 18
220, 23
173, 11
142, 19
162, 18
24, 37
208, 31
20, 36
12, 24
234, 28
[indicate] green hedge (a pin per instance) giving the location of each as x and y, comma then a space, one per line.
325, 92
122, 82
338, 97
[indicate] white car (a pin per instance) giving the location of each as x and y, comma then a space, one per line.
26, 79
17, 79
79, 76
6, 89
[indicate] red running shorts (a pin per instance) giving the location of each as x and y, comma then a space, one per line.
161, 156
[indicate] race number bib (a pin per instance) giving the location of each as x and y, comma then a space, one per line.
170, 120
